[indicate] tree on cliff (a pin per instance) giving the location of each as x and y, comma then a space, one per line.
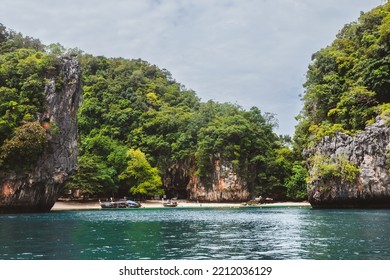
39, 98
25, 146
133, 105
347, 87
348, 82
24, 71
130, 104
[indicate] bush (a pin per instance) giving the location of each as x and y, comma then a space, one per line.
326, 168
25, 146
296, 183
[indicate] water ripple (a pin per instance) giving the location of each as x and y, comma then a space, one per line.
248, 233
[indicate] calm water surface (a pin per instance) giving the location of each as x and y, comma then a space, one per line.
199, 233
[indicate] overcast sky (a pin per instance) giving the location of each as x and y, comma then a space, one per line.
249, 52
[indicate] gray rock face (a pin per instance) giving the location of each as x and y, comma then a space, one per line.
38, 189
368, 151
225, 185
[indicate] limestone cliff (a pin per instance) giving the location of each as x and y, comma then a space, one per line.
362, 176
36, 189
223, 185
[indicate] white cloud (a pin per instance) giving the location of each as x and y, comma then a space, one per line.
250, 52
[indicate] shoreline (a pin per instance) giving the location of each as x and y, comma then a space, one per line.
93, 205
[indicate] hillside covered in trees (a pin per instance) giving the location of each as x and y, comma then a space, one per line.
343, 131
141, 133
348, 82
25, 68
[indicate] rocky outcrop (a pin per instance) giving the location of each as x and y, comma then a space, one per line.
223, 185
368, 154
37, 189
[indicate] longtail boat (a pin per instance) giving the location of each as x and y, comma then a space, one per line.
123, 203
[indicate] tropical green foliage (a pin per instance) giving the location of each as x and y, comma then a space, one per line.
141, 132
143, 179
11, 41
93, 176
336, 169
130, 104
296, 184
25, 146
348, 80
24, 70
23, 75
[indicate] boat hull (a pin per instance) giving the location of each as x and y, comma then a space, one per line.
170, 204
128, 204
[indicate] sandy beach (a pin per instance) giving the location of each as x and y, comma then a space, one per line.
90, 205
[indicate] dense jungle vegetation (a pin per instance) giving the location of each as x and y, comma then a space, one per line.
141, 128
142, 133
24, 69
348, 82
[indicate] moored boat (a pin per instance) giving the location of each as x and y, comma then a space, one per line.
123, 203
170, 203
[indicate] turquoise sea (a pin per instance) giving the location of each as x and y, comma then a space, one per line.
275, 233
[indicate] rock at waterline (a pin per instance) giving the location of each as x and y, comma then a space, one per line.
362, 164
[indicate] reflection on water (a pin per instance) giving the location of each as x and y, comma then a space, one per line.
181, 233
